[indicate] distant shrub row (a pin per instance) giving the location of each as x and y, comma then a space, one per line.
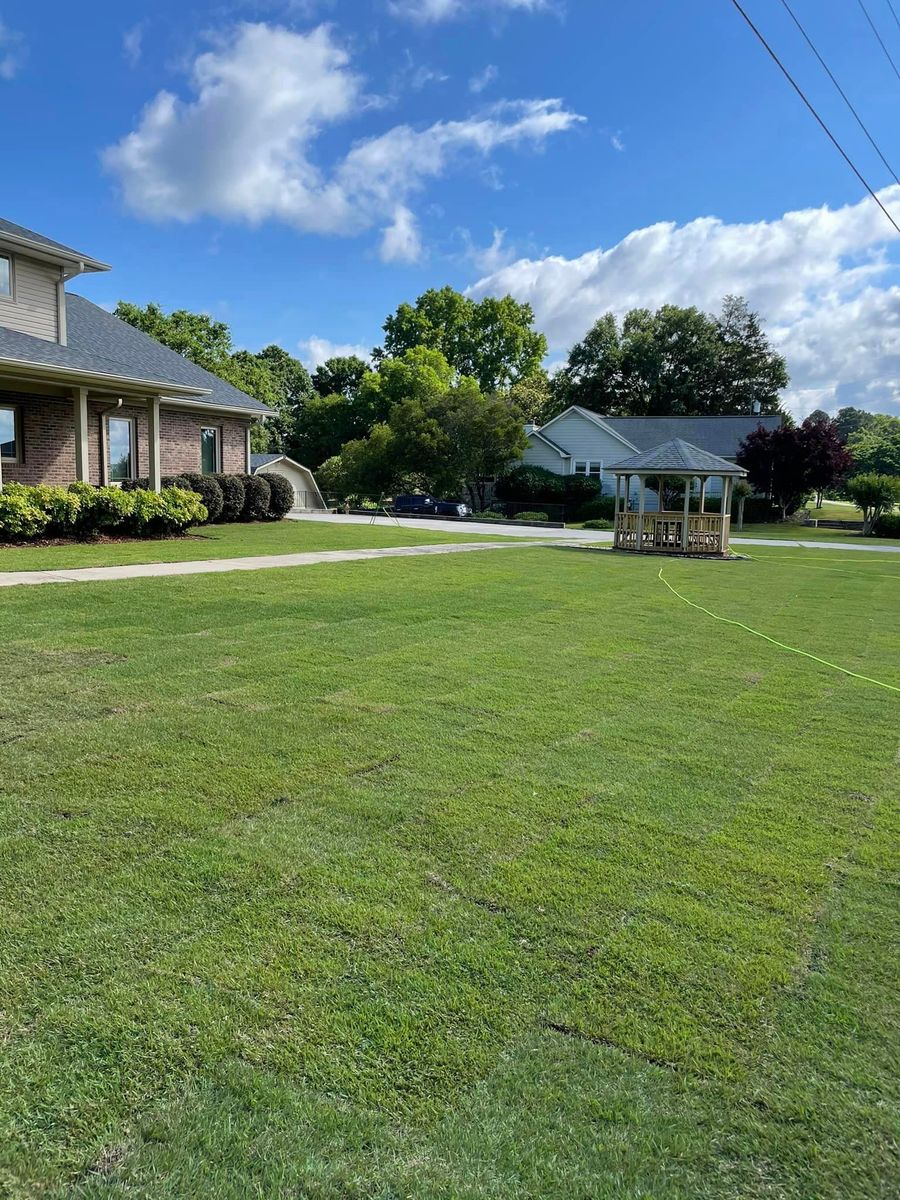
83, 511
234, 497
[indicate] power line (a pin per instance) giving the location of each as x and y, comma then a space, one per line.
837, 145
844, 95
894, 13
887, 53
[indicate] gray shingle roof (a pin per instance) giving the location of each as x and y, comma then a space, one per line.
262, 460
716, 435
100, 343
678, 456
19, 231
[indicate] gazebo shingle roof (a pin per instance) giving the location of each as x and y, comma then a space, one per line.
677, 457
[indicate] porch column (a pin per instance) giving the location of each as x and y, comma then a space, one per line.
687, 513
82, 458
154, 471
639, 536
723, 541
703, 495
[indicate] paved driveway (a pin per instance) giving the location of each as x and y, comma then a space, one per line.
479, 528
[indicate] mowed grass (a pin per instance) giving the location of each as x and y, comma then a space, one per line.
230, 541
808, 533
503, 875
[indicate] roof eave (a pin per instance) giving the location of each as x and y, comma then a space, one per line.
47, 253
56, 373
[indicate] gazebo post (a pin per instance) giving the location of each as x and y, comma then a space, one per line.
726, 488
640, 520
617, 524
703, 495
687, 513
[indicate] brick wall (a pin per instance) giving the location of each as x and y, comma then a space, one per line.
48, 435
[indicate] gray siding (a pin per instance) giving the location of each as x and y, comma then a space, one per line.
33, 308
539, 454
584, 440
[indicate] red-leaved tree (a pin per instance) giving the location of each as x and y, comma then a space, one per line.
790, 462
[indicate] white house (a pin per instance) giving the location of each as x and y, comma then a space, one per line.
581, 442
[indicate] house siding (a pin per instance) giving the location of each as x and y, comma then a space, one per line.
539, 454
34, 306
583, 440
48, 439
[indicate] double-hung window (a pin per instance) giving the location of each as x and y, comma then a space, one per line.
210, 449
10, 434
122, 449
6, 277
588, 467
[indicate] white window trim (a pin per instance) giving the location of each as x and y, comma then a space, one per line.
134, 451
590, 464
16, 410
11, 298
217, 430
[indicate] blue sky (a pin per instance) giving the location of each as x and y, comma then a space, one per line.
299, 168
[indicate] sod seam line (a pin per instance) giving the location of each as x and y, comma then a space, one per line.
781, 645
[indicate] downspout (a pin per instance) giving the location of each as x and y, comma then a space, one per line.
104, 441
64, 274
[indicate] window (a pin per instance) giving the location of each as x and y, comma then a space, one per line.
586, 467
10, 438
210, 450
5, 276
120, 434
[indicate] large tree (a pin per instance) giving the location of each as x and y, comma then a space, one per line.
491, 340
875, 445
340, 376
677, 361
790, 462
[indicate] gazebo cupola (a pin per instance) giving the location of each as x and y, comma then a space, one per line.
649, 524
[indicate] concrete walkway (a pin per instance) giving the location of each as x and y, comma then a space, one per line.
498, 528
212, 566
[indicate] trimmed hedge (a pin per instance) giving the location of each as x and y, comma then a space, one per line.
281, 499
531, 516
598, 523
256, 498
84, 511
209, 490
233, 496
601, 508
887, 525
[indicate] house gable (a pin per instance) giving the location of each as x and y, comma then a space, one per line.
582, 436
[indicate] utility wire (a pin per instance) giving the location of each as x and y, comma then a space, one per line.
887, 53
893, 13
843, 94
837, 145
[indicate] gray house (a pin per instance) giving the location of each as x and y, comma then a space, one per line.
581, 442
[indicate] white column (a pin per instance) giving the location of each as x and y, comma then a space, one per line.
153, 444
639, 536
726, 487
703, 495
687, 513
82, 457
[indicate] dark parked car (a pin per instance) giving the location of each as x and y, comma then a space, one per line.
429, 506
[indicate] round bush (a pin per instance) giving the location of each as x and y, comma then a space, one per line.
20, 517
233, 494
531, 516
256, 498
210, 492
887, 525
601, 508
489, 515
281, 499
598, 523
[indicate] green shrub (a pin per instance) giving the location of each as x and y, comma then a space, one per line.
281, 499
102, 509
600, 508
210, 492
488, 515
60, 505
256, 498
20, 517
579, 489
598, 523
143, 484
530, 516
887, 525
530, 483
233, 496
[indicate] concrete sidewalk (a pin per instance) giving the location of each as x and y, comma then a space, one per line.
212, 566
499, 529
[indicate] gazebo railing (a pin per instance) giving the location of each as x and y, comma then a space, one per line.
706, 532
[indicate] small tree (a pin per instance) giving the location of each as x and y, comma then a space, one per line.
741, 490
874, 495
789, 462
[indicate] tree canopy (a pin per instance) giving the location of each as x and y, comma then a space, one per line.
675, 361
340, 376
490, 340
875, 445
790, 462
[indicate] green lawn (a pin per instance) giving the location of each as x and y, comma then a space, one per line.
809, 533
835, 510
228, 541
486, 876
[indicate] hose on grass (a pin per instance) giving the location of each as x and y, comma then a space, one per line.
781, 645
808, 566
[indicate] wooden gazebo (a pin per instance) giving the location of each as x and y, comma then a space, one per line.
675, 531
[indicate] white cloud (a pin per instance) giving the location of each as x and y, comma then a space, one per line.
244, 147
426, 12
13, 52
483, 79
616, 142
133, 44
317, 350
400, 241
492, 257
817, 276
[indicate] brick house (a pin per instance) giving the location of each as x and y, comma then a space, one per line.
85, 396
